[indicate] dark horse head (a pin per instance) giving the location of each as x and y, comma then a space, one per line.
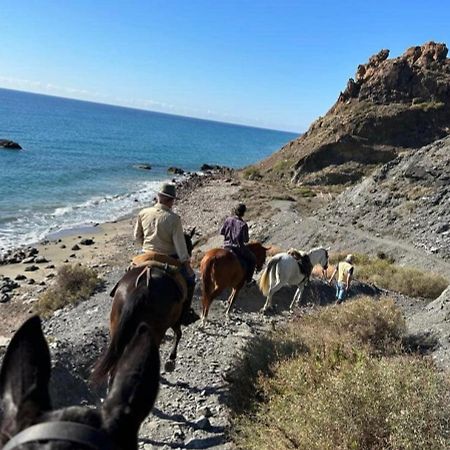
29, 421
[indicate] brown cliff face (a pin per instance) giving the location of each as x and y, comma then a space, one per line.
391, 105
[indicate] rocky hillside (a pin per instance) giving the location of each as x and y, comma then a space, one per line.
433, 320
391, 105
406, 199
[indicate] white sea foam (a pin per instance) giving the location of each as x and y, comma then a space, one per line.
33, 226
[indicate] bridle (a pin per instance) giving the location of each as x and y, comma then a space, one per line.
77, 433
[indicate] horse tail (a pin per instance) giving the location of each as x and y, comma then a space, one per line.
130, 318
264, 281
207, 270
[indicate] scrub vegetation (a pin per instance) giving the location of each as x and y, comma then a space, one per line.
384, 273
73, 283
340, 379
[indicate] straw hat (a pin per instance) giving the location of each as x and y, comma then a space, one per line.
168, 190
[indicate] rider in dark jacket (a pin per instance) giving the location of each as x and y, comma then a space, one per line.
235, 233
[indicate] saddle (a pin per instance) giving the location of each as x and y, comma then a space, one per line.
149, 260
303, 261
239, 257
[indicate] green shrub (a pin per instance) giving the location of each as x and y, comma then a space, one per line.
337, 379
385, 274
375, 326
73, 284
370, 403
252, 173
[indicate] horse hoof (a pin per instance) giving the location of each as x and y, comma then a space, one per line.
169, 366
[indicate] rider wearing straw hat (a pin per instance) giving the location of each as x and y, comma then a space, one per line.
159, 229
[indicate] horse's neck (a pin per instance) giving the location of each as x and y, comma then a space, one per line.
258, 250
315, 256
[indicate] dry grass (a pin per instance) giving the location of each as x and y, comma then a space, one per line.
252, 173
371, 325
73, 284
338, 380
385, 274
385, 403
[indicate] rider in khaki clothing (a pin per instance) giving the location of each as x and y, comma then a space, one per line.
159, 229
344, 269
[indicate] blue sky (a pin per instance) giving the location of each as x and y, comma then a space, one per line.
276, 64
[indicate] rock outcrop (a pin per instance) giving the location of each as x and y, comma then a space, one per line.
5, 143
433, 320
391, 105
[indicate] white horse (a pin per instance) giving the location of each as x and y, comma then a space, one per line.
284, 270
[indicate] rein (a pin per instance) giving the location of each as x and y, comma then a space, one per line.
77, 433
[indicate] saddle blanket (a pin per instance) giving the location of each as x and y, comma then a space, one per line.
169, 265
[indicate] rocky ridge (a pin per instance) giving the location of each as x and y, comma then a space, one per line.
406, 199
391, 105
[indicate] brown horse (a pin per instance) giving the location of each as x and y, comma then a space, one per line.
28, 419
155, 299
221, 269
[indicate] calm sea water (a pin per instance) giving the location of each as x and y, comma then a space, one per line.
78, 162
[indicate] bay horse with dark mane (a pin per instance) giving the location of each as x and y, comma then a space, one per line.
28, 420
150, 295
220, 269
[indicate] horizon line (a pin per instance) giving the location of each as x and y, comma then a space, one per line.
135, 108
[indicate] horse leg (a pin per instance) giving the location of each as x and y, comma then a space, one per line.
170, 363
275, 288
231, 299
206, 303
298, 294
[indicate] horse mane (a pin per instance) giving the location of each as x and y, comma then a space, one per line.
317, 248
295, 253
254, 243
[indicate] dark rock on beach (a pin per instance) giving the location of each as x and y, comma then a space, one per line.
17, 256
87, 241
175, 171
10, 145
7, 285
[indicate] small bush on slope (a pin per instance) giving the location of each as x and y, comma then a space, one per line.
73, 284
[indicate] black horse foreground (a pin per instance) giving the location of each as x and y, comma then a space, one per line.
28, 419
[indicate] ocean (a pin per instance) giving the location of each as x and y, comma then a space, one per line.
78, 163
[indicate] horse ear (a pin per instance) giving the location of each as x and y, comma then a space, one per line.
24, 378
191, 234
134, 389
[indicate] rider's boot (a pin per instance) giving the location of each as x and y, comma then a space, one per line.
249, 279
188, 315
